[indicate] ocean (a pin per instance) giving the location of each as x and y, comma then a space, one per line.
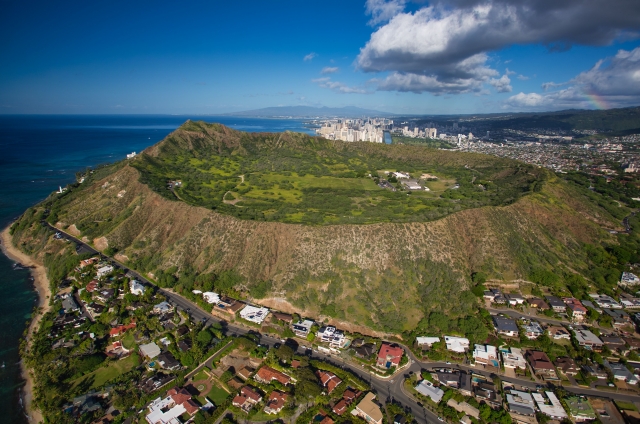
40, 153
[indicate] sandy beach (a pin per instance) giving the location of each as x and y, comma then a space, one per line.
41, 283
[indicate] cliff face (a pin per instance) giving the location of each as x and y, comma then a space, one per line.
384, 276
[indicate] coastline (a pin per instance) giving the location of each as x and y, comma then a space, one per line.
41, 283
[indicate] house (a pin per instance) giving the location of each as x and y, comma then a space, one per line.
149, 350
553, 408
267, 374
328, 380
162, 308
254, 314
348, 397
559, 333
505, 326
567, 366
135, 287
426, 388
634, 344
426, 342
303, 328
280, 316
513, 359
620, 318
589, 304
333, 336
246, 399
521, 403
456, 344
541, 364
613, 342
340, 407
275, 402
369, 410
116, 350
587, 339
121, 329
211, 297
228, 305
607, 411
464, 407
532, 330
595, 371
104, 271
322, 418
169, 410
605, 302
245, 373
92, 286
486, 355
514, 299
495, 296
87, 262
486, 391
628, 279
578, 311
536, 302
365, 351
579, 409
168, 362
457, 379
104, 295
620, 372
69, 305
95, 309
556, 304
389, 355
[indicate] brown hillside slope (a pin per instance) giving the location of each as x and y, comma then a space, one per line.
384, 276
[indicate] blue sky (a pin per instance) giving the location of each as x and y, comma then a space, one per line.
449, 56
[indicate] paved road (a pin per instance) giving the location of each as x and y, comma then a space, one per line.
391, 389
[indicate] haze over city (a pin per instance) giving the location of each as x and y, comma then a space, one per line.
395, 56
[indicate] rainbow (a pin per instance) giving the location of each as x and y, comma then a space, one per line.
597, 100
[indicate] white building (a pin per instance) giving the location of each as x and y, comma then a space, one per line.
254, 314
604, 301
533, 330
211, 297
554, 409
303, 328
457, 344
514, 359
135, 287
629, 279
427, 388
427, 341
105, 270
487, 355
333, 336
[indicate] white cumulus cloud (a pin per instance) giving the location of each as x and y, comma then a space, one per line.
338, 87
329, 70
309, 57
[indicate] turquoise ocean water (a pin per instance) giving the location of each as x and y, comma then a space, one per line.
40, 153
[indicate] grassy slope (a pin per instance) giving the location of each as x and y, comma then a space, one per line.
384, 276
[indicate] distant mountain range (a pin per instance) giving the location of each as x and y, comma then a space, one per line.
310, 112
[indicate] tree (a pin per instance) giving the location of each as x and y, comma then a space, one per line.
204, 337
284, 353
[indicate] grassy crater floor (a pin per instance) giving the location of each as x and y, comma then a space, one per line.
296, 178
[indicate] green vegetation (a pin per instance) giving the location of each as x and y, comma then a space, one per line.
433, 143
296, 178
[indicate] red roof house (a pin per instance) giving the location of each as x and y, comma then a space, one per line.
389, 355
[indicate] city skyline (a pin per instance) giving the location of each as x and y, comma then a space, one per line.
442, 57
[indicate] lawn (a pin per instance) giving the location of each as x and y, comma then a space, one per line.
128, 341
105, 374
217, 395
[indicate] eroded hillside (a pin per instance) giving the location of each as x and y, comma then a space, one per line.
383, 276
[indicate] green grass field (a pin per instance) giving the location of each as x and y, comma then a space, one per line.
105, 374
217, 395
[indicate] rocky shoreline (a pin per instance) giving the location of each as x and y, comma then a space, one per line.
41, 283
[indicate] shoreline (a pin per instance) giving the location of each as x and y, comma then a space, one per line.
41, 283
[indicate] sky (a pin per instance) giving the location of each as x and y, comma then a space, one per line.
397, 56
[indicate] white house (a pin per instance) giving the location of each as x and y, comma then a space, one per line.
427, 388
514, 359
427, 341
105, 270
211, 297
487, 355
629, 279
254, 314
136, 288
554, 409
457, 344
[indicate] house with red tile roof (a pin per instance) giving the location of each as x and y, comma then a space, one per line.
177, 403
276, 402
92, 286
120, 329
389, 355
247, 398
329, 380
578, 310
267, 374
